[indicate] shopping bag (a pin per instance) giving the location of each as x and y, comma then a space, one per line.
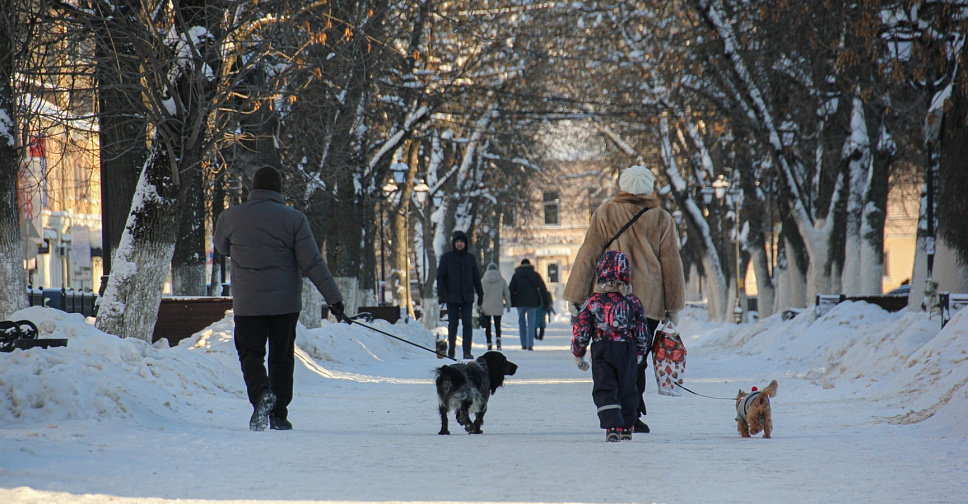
668, 359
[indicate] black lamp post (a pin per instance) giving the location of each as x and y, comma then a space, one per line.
388, 189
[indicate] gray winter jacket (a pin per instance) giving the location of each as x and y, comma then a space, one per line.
271, 246
496, 293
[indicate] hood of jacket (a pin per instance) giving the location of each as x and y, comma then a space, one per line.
614, 266
460, 235
492, 276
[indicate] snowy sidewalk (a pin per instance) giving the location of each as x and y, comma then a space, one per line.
368, 433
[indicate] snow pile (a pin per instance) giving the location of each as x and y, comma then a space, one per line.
904, 356
101, 376
857, 348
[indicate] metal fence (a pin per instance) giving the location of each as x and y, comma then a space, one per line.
68, 300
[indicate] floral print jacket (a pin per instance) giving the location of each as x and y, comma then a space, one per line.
610, 316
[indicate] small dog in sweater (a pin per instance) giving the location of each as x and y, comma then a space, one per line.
753, 412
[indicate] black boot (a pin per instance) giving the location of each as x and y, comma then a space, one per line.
641, 427
278, 421
260, 415
612, 435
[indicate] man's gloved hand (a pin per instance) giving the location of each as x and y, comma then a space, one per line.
573, 309
673, 316
441, 300
582, 363
339, 312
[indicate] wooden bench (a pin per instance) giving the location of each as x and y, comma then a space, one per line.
181, 317
891, 303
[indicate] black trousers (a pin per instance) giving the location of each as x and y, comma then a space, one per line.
462, 313
486, 321
613, 377
251, 335
640, 380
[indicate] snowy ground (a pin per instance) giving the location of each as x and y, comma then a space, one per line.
871, 408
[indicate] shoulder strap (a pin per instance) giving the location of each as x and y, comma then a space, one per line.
625, 227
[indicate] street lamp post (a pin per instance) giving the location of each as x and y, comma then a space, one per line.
420, 191
388, 189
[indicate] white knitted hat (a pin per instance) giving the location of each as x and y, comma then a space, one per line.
637, 180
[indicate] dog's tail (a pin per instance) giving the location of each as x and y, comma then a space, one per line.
770, 390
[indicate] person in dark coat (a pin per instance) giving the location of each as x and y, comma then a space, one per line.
528, 292
271, 246
458, 279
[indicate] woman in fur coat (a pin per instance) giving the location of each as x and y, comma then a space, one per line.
497, 300
652, 246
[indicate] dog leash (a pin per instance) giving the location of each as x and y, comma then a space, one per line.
702, 395
435, 352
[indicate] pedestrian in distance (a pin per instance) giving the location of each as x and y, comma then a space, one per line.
272, 247
497, 300
528, 292
458, 280
633, 223
613, 322
543, 316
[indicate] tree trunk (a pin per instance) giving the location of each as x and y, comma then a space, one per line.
129, 306
953, 180
13, 281
311, 315
188, 262
857, 150
122, 134
766, 295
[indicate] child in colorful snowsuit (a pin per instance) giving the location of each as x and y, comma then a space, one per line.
613, 321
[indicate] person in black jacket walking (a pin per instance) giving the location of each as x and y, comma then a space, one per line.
458, 279
528, 292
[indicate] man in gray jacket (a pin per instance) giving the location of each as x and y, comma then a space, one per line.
271, 246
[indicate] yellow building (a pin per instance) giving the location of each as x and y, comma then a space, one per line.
551, 241
58, 191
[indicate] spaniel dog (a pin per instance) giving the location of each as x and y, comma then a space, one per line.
466, 387
753, 413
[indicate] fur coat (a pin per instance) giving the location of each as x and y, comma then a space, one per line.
652, 245
496, 293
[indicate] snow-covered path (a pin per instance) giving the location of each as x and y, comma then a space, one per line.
369, 434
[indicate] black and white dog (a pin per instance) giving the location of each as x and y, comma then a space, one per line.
465, 387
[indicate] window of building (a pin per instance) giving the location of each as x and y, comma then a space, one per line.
553, 273
507, 219
552, 208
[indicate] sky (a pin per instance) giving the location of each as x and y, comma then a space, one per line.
871, 407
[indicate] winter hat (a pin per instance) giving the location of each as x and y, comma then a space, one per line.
491, 266
637, 180
614, 266
267, 178
459, 235
525, 261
